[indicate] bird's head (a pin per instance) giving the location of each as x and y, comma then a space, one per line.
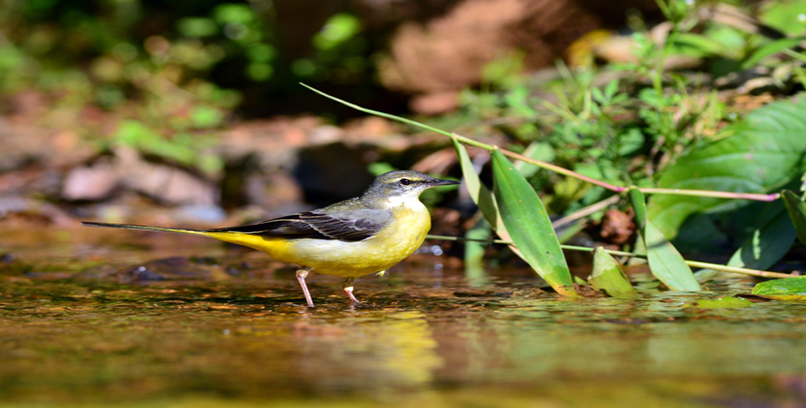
401, 186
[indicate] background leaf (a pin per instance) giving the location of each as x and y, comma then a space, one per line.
767, 245
770, 48
639, 206
759, 155
526, 220
797, 213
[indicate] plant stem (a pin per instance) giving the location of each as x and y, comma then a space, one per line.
464, 239
715, 194
386, 115
471, 142
753, 272
706, 265
549, 166
541, 164
585, 211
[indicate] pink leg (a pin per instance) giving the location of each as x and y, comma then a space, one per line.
347, 286
301, 275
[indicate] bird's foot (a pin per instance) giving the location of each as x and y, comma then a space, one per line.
347, 286
301, 275
349, 291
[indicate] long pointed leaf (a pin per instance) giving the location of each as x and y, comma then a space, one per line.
528, 223
478, 191
481, 195
797, 212
665, 261
639, 206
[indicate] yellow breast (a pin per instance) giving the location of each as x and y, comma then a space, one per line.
399, 239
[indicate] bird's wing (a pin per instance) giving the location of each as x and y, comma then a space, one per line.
356, 225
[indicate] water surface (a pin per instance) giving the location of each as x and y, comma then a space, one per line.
91, 320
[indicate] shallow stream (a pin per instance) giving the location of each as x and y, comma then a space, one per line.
88, 319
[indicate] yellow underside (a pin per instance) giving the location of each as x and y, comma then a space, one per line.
346, 259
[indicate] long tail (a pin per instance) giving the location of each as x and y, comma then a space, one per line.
146, 228
235, 237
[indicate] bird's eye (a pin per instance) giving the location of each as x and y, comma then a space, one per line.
405, 181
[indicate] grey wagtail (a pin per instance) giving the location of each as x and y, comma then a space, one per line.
352, 238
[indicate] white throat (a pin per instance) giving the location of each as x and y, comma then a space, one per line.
406, 201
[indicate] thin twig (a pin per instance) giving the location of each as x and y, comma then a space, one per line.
724, 268
464, 239
585, 211
549, 166
715, 194
704, 265
538, 163
383, 115
471, 142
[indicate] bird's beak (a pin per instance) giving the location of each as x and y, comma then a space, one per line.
439, 182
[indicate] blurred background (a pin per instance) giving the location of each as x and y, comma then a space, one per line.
192, 112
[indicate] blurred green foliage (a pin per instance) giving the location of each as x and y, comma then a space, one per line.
178, 70
625, 123
207, 40
182, 69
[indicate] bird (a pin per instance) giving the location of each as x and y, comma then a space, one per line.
349, 239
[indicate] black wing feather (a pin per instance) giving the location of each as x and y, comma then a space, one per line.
312, 224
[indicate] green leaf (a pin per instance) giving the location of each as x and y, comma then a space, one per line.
767, 245
770, 48
206, 117
197, 26
610, 89
135, 134
138, 135
526, 220
797, 213
782, 289
378, 168
567, 231
630, 142
697, 45
480, 194
666, 263
639, 206
759, 155
727, 302
608, 276
234, 13
784, 16
664, 260
336, 31
539, 151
